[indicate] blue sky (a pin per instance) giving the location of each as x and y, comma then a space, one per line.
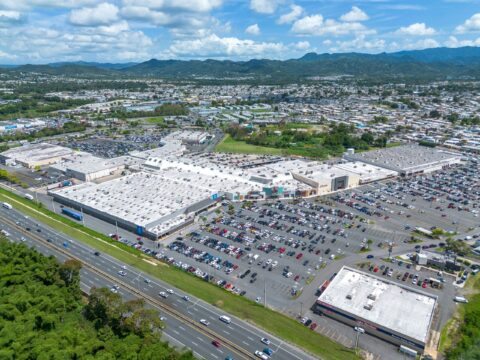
42, 31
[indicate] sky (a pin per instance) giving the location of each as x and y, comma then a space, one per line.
118, 31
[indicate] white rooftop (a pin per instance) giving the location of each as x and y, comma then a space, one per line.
32, 153
405, 310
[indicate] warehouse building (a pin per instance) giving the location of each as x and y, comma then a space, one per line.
407, 159
391, 311
33, 155
86, 167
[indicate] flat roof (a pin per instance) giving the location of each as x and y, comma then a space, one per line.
405, 310
32, 153
404, 157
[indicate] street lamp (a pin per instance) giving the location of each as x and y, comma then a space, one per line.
359, 331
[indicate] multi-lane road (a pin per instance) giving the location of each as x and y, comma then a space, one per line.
239, 340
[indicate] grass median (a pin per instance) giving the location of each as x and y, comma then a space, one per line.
278, 324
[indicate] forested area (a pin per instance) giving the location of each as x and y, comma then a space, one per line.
44, 316
308, 142
37, 105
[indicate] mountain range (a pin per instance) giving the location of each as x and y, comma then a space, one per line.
428, 64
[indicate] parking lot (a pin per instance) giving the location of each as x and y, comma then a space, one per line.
280, 252
284, 250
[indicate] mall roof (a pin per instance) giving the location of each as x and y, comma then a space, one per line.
394, 306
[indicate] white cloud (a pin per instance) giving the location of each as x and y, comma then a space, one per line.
354, 15
10, 17
183, 5
359, 43
453, 42
264, 6
102, 14
215, 46
422, 44
302, 45
417, 29
316, 25
294, 14
471, 24
103, 43
6, 56
253, 30
28, 4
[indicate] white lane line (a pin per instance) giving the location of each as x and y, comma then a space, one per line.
226, 332
199, 338
194, 343
181, 328
245, 343
215, 356
249, 338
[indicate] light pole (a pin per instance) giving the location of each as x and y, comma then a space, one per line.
359, 331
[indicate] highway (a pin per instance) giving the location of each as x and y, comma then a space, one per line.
182, 317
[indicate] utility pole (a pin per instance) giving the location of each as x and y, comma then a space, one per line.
53, 206
116, 229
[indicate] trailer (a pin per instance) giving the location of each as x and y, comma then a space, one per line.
73, 214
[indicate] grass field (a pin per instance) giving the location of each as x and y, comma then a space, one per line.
450, 333
280, 325
155, 120
229, 145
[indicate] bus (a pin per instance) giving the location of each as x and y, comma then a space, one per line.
73, 214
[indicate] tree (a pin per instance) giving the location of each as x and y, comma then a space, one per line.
70, 272
458, 247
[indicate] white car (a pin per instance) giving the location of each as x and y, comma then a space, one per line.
204, 322
265, 341
122, 273
170, 291
460, 299
163, 294
261, 355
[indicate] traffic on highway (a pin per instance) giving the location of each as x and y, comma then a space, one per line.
190, 323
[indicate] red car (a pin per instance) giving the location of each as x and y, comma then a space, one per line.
296, 278
313, 326
299, 256
216, 343
375, 269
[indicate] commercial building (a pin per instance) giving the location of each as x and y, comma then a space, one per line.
86, 167
407, 159
391, 311
32, 155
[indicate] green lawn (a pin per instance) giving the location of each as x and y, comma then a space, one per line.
273, 322
229, 145
155, 120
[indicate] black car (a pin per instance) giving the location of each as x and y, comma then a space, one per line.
97, 253
308, 322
